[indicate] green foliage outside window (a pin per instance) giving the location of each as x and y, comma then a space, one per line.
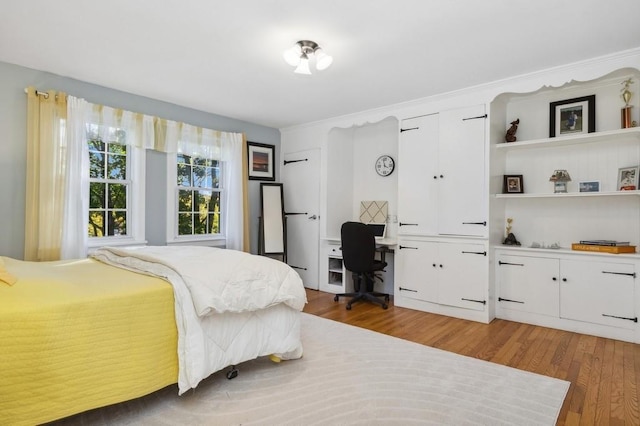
198, 195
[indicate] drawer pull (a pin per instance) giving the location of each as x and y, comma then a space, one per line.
484, 302
408, 224
407, 247
629, 274
500, 262
407, 289
500, 299
298, 267
622, 318
475, 223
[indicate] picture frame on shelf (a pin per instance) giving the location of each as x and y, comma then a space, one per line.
513, 184
589, 186
627, 178
261, 158
572, 116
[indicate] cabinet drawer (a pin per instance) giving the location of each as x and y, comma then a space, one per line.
334, 251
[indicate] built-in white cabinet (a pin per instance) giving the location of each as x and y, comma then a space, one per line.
442, 207
599, 292
441, 181
447, 273
593, 294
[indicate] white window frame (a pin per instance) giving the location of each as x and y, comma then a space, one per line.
172, 237
136, 163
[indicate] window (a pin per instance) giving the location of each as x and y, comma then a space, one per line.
116, 195
199, 195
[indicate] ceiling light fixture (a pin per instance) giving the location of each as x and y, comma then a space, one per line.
301, 53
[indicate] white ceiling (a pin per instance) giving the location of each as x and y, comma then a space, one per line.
225, 57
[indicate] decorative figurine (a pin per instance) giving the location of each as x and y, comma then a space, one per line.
511, 132
511, 239
625, 112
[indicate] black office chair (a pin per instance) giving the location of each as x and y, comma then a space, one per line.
358, 255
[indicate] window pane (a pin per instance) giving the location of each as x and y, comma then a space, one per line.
116, 166
214, 223
185, 200
202, 202
184, 175
214, 203
184, 159
95, 145
97, 195
96, 224
118, 222
200, 177
200, 223
116, 148
117, 196
96, 165
199, 161
215, 177
184, 224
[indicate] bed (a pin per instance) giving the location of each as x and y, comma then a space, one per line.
82, 334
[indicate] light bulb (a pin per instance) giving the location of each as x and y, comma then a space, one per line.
303, 67
292, 55
322, 59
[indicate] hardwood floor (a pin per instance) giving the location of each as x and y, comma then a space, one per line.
604, 373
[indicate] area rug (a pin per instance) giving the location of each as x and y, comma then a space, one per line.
350, 375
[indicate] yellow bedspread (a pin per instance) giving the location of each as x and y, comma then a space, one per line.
77, 335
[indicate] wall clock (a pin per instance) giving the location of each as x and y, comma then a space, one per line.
385, 165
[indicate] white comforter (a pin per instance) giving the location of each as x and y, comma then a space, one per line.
207, 280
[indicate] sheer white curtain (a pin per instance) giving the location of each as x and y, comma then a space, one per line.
172, 137
76, 181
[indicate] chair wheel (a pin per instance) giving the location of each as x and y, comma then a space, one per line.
348, 306
386, 298
335, 298
233, 373
385, 306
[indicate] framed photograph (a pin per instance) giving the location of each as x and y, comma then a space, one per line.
513, 184
628, 178
261, 159
590, 186
572, 116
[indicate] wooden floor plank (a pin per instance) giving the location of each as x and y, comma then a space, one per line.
604, 373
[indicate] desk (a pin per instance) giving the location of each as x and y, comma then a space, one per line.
385, 245
333, 277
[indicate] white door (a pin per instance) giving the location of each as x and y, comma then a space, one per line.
461, 200
301, 187
416, 270
418, 176
463, 275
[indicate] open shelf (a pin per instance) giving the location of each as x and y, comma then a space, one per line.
578, 139
572, 194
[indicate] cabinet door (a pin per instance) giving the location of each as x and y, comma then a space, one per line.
598, 292
528, 284
461, 178
416, 271
463, 276
417, 176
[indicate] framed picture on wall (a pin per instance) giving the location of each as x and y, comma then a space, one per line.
261, 159
572, 116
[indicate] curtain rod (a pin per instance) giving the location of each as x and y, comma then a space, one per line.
39, 93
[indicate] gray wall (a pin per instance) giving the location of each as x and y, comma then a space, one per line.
13, 111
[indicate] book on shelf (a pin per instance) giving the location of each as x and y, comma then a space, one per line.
603, 248
605, 242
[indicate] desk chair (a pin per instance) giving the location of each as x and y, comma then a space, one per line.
358, 255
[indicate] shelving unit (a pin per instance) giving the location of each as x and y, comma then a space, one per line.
587, 292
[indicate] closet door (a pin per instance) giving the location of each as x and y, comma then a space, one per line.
461, 180
418, 176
